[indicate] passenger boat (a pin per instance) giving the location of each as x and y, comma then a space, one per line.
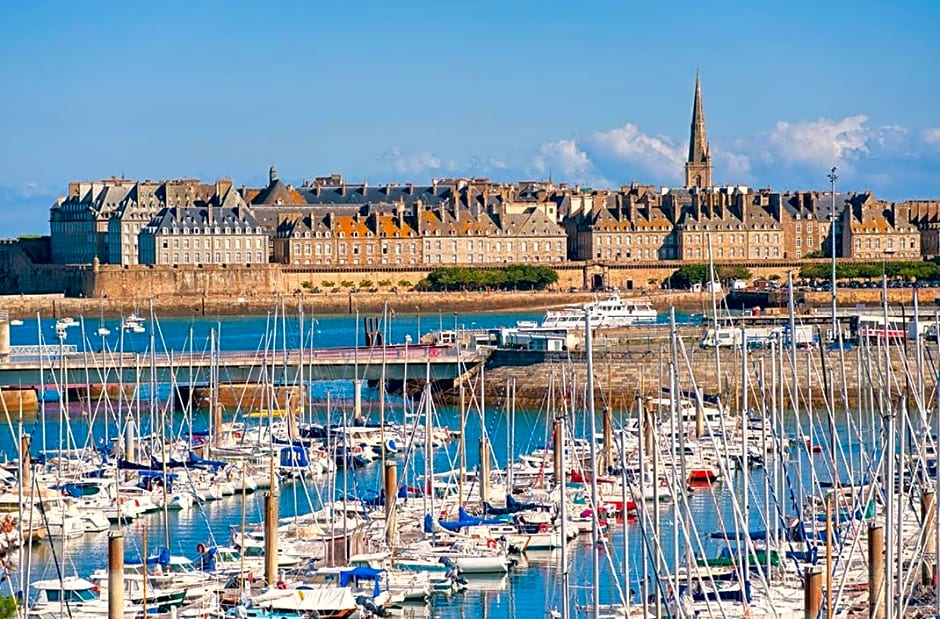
608, 313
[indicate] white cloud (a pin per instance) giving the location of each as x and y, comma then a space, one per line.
656, 155
732, 167
563, 158
931, 136
821, 142
410, 163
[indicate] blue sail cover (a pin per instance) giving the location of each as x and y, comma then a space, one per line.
465, 517
294, 456
466, 520
196, 460
512, 506
365, 573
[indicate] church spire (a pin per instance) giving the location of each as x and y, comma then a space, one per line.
698, 169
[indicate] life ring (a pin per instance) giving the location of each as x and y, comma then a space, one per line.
663, 483
543, 528
201, 548
491, 543
121, 501
433, 352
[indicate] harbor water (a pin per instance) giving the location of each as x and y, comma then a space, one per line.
532, 586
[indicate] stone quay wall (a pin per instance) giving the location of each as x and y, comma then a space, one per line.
619, 376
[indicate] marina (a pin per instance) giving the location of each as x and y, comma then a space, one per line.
340, 498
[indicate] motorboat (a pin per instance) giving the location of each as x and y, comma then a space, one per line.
133, 323
608, 313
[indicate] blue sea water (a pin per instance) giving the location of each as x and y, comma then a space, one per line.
531, 588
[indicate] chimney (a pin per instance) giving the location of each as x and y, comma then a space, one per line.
365, 188
411, 189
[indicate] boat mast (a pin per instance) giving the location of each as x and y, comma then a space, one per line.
595, 533
563, 513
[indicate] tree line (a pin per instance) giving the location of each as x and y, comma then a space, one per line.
511, 277
920, 270
689, 274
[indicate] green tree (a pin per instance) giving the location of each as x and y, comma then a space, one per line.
511, 277
404, 283
346, 283
366, 284
7, 607
327, 283
385, 283
689, 274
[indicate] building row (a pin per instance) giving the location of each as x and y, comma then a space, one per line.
473, 221
327, 221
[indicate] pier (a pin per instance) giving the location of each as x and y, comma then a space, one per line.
35, 368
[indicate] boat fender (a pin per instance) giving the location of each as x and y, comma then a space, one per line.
543, 528
663, 483
201, 548
491, 543
281, 584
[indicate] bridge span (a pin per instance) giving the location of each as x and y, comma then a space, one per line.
48, 367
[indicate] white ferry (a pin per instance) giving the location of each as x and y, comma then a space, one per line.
608, 313
133, 323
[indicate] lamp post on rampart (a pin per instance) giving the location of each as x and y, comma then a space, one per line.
833, 177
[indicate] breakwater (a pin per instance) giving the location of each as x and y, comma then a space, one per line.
623, 374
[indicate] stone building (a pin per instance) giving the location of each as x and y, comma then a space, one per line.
135, 211
925, 214
874, 229
631, 225
78, 222
807, 218
223, 233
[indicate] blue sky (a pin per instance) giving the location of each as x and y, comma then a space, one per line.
598, 94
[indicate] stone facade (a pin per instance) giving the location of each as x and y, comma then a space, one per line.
78, 222
628, 226
877, 230
439, 235
224, 234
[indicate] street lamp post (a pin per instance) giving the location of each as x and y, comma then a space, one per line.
833, 177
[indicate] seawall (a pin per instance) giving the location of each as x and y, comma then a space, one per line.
620, 376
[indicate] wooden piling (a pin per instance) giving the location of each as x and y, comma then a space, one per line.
876, 571
270, 535
812, 592
927, 518
391, 496
116, 574
484, 470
